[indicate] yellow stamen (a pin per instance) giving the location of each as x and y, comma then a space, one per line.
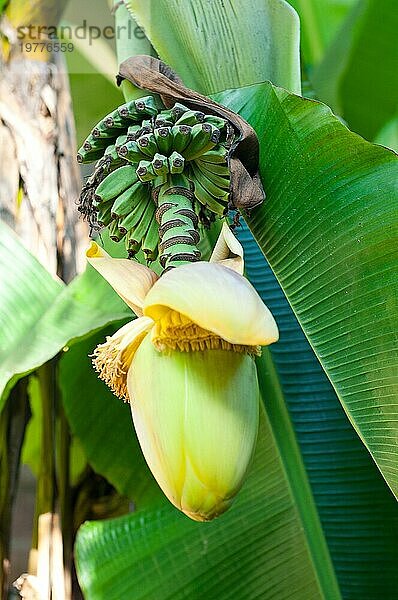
175, 331
112, 359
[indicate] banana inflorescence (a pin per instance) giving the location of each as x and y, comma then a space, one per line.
160, 174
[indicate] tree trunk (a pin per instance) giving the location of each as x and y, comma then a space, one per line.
39, 176
39, 186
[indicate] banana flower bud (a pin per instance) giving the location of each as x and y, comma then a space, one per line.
186, 366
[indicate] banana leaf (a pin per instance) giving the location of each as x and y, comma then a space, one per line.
357, 510
358, 76
39, 315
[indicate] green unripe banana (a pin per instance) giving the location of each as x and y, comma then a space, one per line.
203, 137
164, 140
129, 111
120, 141
160, 164
131, 152
126, 202
181, 137
151, 240
147, 144
146, 106
162, 121
223, 183
132, 132
217, 205
104, 216
191, 117
216, 121
141, 200
219, 169
212, 188
142, 227
217, 156
115, 121
89, 156
116, 183
115, 233
178, 110
145, 171
176, 163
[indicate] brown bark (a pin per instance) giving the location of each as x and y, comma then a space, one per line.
39, 177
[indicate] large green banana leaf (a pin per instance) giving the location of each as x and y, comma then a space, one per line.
353, 494
358, 76
39, 315
261, 548
357, 510
179, 29
329, 231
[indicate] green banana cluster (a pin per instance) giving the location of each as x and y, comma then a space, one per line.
149, 157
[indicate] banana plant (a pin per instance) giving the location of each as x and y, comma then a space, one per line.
313, 169
315, 516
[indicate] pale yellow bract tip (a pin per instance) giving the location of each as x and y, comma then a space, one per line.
94, 251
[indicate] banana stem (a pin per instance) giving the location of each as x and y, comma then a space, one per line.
178, 226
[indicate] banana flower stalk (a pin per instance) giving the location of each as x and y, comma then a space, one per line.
186, 365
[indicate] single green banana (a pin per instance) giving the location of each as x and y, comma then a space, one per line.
162, 121
178, 110
146, 126
146, 106
145, 171
191, 117
160, 164
181, 137
129, 111
120, 141
102, 128
104, 134
104, 216
116, 183
151, 240
176, 163
216, 121
131, 152
126, 202
203, 137
89, 156
147, 144
115, 121
131, 245
111, 159
164, 140
132, 132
